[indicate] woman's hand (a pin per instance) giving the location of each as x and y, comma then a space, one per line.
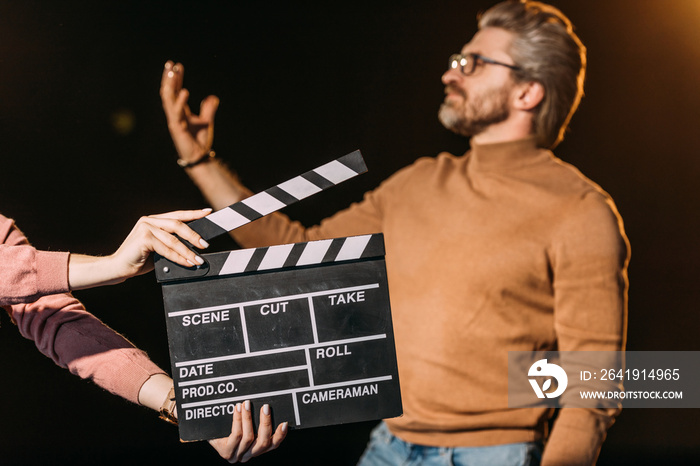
242, 444
155, 233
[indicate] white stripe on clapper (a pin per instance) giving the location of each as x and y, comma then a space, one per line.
353, 247
299, 187
244, 329
335, 172
312, 313
237, 261
275, 257
309, 367
295, 403
228, 219
314, 251
263, 203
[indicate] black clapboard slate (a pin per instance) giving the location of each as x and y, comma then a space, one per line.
304, 327
280, 196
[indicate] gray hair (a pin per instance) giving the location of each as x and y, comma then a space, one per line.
548, 51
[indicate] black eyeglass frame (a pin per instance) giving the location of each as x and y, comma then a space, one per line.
475, 57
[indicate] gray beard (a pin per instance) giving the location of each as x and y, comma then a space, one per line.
457, 120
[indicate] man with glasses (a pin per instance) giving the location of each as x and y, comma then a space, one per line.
505, 248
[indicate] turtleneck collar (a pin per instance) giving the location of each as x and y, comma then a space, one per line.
506, 155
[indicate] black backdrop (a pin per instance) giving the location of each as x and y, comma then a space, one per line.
85, 152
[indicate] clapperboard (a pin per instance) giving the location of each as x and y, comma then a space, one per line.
304, 327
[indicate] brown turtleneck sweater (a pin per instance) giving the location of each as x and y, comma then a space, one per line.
506, 248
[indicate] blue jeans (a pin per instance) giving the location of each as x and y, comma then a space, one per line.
384, 449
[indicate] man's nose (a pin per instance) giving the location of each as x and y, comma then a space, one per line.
451, 75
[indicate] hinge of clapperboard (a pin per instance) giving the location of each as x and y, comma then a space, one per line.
269, 201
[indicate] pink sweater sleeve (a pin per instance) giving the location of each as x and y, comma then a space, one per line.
63, 330
59, 325
25, 273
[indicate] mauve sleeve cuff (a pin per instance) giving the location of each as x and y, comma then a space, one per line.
52, 272
121, 371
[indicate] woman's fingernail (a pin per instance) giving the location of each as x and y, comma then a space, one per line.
203, 243
168, 65
284, 427
207, 209
199, 260
190, 262
238, 407
170, 74
247, 405
266, 410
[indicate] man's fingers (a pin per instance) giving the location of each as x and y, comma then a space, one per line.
208, 108
179, 107
171, 84
168, 82
166, 78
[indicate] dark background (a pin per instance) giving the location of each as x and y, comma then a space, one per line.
85, 152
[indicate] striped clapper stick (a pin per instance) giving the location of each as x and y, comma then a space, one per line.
303, 327
280, 196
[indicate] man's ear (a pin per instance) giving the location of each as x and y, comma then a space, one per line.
528, 95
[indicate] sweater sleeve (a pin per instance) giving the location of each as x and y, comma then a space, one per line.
74, 339
25, 273
60, 326
590, 261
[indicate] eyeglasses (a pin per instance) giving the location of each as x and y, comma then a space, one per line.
467, 63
